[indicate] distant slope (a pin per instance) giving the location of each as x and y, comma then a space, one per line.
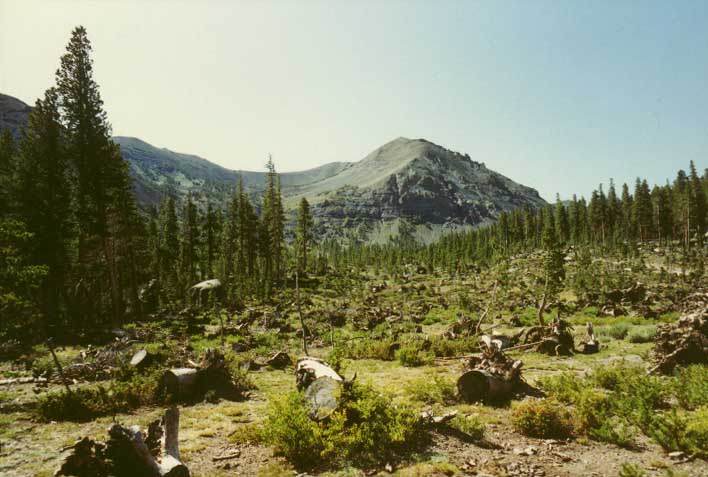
431, 188
13, 114
409, 186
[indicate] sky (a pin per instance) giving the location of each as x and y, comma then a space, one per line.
557, 95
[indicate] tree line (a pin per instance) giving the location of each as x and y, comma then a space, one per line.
75, 252
672, 215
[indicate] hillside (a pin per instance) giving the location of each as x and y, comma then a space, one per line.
407, 185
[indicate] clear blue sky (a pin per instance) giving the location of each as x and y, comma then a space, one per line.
558, 95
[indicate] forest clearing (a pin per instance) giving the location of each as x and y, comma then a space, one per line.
408, 336
413, 313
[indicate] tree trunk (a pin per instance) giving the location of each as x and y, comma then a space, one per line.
115, 287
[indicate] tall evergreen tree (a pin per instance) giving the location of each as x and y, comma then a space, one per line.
98, 168
304, 234
44, 200
190, 242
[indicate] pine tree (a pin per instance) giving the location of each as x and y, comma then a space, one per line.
274, 222
304, 233
210, 234
7, 171
700, 208
642, 210
98, 168
562, 222
190, 242
169, 245
44, 200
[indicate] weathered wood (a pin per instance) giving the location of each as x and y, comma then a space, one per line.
479, 385
179, 383
11, 381
322, 397
309, 369
140, 359
171, 464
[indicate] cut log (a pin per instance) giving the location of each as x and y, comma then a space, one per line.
178, 383
310, 369
478, 385
140, 359
322, 397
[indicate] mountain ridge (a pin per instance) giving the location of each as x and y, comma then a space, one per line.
411, 184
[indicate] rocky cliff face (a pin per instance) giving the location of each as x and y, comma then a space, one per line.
406, 184
419, 182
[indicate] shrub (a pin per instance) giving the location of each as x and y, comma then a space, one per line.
618, 331
370, 349
643, 334
544, 418
691, 386
366, 428
669, 431
596, 417
443, 347
412, 354
565, 387
631, 470
471, 426
86, 403
682, 432
432, 389
697, 432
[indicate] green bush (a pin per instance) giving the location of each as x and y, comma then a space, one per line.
634, 394
691, 386
565, 387
675, 431
369, 349
86, 403
697, 432
631, 470
542, 418
471, 426
412, 354
366, 429
618, 331
444, 347
432, 389
643, 334
596, 417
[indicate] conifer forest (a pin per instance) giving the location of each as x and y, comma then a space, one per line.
256, 331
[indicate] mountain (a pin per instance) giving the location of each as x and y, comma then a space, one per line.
407, 186
13, 114
431, 188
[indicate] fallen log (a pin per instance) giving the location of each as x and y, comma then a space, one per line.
178, 383
491, 377
322, 385
309, 369
479, 385
11, 381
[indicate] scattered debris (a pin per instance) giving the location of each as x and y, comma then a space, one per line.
492, 377
592, 345
129, 452
192, 384
681, 343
